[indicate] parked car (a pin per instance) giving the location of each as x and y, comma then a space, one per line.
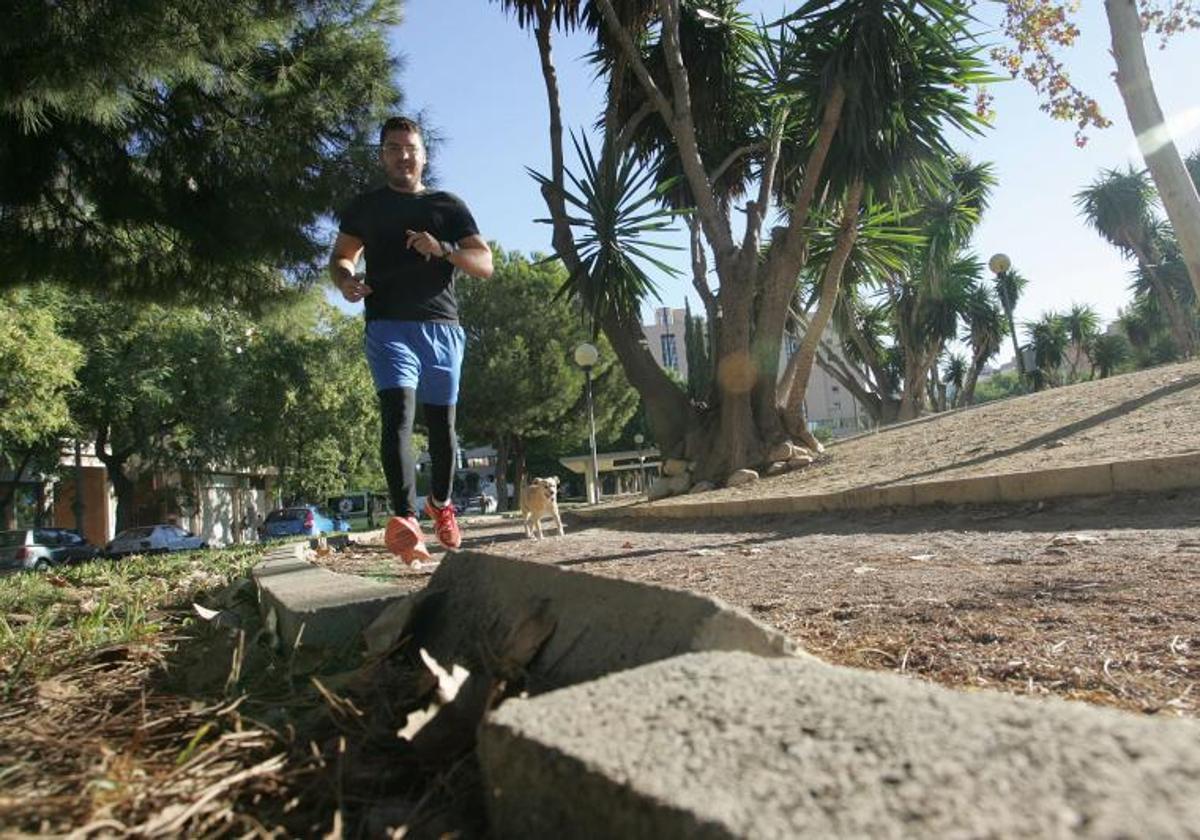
153, 539
302, 521
42, 548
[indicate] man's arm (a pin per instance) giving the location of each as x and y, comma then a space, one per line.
346, 251
473, 257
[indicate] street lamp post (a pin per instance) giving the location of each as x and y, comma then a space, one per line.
639, 439
586, 356
1000, 264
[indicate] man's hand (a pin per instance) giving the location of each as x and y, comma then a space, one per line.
424, 244
353, 288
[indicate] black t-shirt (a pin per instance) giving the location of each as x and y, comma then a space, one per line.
404, 285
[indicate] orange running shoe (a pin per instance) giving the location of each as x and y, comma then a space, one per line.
444, 524
402, 536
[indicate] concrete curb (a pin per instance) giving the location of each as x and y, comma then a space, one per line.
1149, 475
602, 624
473, 600
313, 606
730, 745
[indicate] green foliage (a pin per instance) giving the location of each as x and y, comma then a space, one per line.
519, 379
180, 388
904, 66
37, 368
1048, 336
1109, 353
1120, 207
1145, 326
184, 150
102, 604
307, 405
955, 371
617, 211
999, 386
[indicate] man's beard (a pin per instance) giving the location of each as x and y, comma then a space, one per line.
404, 179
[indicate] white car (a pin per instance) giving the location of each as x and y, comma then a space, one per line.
153, 539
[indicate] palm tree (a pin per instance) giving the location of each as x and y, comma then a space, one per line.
1120, 206
1048, 337
1009, 286
932, 296
821, 116
1108, 352
985, 330
1082, 325
955, 374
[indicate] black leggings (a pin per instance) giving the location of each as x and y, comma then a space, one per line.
397, 409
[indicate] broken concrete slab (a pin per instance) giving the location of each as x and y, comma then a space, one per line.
734, 745
317, 606
603, 624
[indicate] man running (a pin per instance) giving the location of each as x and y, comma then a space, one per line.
413, 239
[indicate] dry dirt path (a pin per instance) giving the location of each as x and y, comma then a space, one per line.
1097, 600
1147, 414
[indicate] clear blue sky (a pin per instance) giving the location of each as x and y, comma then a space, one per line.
476, 77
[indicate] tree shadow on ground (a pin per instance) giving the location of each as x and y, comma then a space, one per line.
1061, 433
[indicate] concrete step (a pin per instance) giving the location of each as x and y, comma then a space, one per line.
319, 607
734, 745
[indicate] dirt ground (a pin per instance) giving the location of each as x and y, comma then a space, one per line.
1147, 414
1095, 600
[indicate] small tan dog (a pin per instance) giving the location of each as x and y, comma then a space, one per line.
539, 499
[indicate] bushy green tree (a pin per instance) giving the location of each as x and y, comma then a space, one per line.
1109, 352
307, 405
184, 149
37, 369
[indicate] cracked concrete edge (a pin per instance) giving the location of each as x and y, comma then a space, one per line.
1144, 475
603, 624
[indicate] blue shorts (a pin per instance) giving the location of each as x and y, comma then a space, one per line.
424, 355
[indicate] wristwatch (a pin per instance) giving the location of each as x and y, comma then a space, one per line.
447, 248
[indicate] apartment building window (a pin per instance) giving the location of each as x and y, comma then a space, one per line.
670, 355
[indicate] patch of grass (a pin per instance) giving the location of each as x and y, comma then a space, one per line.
51, 621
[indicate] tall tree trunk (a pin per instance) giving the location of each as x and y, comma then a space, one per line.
1012, 331
1175, 187
786, 258
978, 360
799, 369
502, 473
738, 444
518, 456
912, 397
123, 488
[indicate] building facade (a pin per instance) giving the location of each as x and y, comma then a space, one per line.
828, 404
224, 506
664, 339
